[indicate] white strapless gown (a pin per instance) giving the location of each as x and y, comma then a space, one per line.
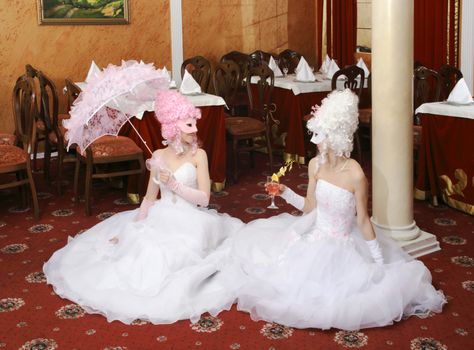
316, 271
162, 269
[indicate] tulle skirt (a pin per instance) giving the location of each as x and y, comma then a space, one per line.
288, 276
162, 269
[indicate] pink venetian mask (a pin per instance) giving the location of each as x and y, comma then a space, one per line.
188, 126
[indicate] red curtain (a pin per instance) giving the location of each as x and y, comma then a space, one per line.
341, 30
436, 29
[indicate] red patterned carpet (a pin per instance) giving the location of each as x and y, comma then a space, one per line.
33, 317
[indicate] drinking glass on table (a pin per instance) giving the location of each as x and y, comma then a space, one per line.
273, 188
285, 71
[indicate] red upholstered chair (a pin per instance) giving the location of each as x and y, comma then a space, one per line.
241, 100
200, 69
226, 81
246, 133
448, 76
289, 59
53, 121
108, 156
15, 159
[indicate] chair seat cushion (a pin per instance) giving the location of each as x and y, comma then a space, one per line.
12, 155
112, 146
365, 116
7, 139
241, 126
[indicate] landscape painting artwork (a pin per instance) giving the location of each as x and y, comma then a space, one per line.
83, 12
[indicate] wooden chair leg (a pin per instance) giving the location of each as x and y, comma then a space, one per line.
76, 179
47, 160
60, 170
235, 159
34, 195
88, 188
35, 153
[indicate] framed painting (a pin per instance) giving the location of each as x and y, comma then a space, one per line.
83, 12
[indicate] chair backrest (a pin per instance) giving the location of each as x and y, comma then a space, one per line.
32, 73
289, 59
200, 69
243, 61
260, 99
23, 100
448, 76
49, 102
73, 92
355, 78
259, 56
426, 86
226, 79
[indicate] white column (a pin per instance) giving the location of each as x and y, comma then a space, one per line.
467, 43
392, 125
176, 39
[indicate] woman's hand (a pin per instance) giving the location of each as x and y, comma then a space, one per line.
165, 176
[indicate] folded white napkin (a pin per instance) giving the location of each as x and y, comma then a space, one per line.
274, 67
93, 71
172, 82
460, 93
304, 72
189, 85
333, 68
361, 64
325, 65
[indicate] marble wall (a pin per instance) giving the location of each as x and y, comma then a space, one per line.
210, 28
63, 51
213, 28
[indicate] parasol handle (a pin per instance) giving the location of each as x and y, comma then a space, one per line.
140, 136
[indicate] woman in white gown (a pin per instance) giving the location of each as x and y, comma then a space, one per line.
157, 262
326, 268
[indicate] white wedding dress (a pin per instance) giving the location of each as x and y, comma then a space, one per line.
316, 271
162, 269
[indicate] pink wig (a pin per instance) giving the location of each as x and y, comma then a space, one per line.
171, 107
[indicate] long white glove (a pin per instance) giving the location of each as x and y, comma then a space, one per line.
375, 251
143, 211
293, 198
190, 194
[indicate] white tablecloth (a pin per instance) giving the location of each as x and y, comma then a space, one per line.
447, 109
290, 83
198, 100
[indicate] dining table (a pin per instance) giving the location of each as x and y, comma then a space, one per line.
294, 99
446, 159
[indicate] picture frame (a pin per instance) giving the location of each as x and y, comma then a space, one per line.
83, 12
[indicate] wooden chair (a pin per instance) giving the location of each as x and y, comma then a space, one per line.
244, 132
200, 69
241, 102
426, 87
226, 80
55, 128
40, 126
289, 59
15, 159
258, 57
448, 76
106, 157
355, 78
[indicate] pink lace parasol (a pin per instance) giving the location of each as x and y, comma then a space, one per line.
111, 98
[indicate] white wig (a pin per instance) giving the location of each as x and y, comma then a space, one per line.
335, 122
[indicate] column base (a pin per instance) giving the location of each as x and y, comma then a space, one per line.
410, 238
